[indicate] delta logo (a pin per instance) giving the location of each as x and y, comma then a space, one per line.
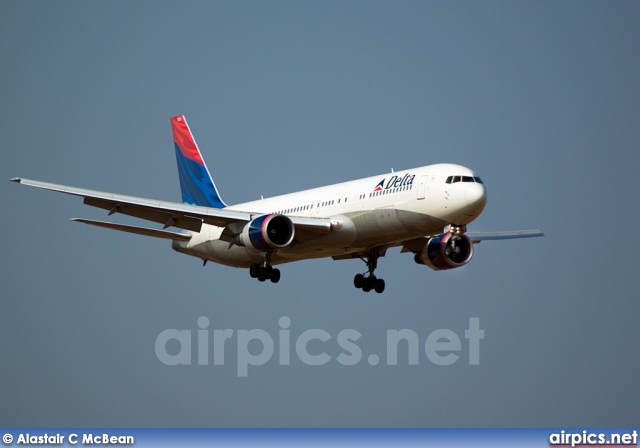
395, 182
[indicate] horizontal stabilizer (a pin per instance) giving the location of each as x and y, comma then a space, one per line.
137, 230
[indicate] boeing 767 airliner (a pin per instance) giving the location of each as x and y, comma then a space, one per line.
423, 210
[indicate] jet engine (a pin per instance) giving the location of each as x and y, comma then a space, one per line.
446, 251
267, 233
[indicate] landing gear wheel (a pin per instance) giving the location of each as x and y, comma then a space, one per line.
372, 278
368, 281
264, 272
358, 281
379, 286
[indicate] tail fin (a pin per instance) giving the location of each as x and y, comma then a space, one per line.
195, 181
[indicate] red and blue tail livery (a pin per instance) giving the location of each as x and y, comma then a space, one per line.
196, 184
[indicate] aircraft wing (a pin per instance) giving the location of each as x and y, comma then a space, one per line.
417, 244
184, 216
476, 237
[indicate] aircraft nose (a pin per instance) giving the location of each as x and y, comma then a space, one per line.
476, 195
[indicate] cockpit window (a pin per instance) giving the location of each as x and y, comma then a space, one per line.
454, 179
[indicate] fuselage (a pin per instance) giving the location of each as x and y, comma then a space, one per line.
375, 211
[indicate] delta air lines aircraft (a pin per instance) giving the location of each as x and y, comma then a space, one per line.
423, 210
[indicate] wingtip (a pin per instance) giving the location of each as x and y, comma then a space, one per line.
16, 179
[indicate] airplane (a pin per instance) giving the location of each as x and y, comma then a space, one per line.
423, 210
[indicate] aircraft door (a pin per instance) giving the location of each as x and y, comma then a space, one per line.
422, 186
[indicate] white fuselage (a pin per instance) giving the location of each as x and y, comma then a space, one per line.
381, 210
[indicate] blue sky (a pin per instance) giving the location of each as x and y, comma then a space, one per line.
541, 99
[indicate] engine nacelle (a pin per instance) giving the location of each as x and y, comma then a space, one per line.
446, 251
267, 233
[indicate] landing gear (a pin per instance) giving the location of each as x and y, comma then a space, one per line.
369, 281
265, 272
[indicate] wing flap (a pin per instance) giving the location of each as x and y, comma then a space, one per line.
159, 216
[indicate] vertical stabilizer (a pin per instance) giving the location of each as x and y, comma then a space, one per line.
195, 181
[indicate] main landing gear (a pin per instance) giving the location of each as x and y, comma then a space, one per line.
368, 281
265, 272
